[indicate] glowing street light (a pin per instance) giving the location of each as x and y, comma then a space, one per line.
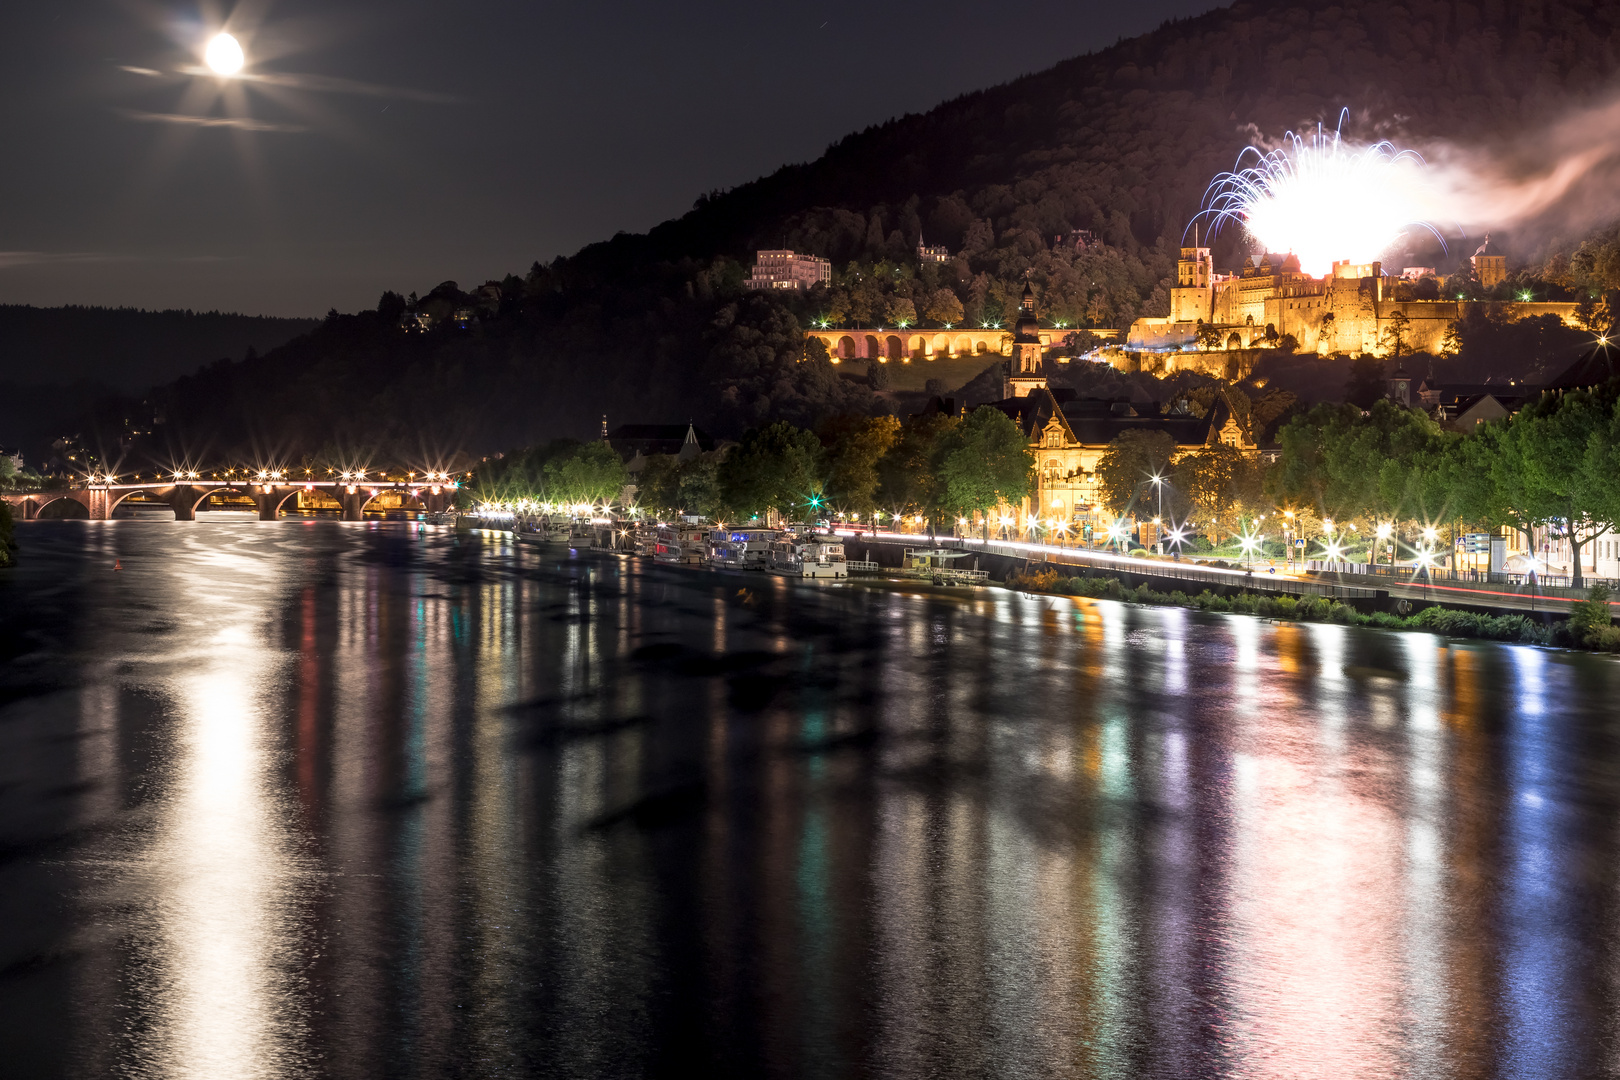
1250, 542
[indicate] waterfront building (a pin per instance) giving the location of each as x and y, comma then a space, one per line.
788, 270
1068, 434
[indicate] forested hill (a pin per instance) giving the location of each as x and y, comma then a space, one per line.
1124, 141
1119, 144
126, 348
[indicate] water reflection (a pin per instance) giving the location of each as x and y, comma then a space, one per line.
332, 800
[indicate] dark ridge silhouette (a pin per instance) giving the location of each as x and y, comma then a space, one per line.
1080, 178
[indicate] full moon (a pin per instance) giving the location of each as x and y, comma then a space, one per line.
224, 55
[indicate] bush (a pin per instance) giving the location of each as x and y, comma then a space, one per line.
1590, 617
8, 535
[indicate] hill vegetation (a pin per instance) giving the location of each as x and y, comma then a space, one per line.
1080, 179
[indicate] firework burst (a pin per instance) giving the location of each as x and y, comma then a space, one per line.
1321, 198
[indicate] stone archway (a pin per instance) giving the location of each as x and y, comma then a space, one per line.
308, 502
962, 346
142, 499
873, 349
229, 499
893, 348
846, 348
393, 503
63, 508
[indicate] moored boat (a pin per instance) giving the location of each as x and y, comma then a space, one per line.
808, 556
741, 548
683, 544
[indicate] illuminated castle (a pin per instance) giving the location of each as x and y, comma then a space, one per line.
1350, 310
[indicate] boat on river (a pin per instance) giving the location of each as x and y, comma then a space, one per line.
805, 555
940, 566
683, 544
741, 548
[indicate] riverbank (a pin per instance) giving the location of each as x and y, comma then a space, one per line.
1588, 626
8, 538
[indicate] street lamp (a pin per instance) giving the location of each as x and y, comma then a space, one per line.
1250, 542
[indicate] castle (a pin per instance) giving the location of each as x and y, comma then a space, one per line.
1350, 310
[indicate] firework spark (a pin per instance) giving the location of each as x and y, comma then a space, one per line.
1321, 198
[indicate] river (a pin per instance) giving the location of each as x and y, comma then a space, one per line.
313, 799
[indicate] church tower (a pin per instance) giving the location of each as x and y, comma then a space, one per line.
1025, 372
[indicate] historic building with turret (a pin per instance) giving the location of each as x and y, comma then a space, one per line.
1352, 309
1068, 434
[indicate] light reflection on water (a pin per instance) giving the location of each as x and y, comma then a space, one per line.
315, 799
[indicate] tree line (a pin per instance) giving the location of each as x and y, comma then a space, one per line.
933, 464
1553, 465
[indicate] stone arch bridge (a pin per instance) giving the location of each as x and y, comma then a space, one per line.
940, 344
184, 497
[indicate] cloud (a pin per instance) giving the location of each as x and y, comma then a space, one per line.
240, 123
328, 84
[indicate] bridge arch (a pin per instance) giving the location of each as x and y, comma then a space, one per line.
119, 498
213, 493
62, 507
381, 502
893, 348
846, 348
873, 349
325, 498
961, 346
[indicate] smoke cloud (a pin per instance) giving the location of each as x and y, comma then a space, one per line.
1562, 178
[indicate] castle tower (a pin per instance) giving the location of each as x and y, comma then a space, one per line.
1025, 372
1192, 298
1490, 266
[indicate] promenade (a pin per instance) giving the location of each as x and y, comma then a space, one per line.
1263, 575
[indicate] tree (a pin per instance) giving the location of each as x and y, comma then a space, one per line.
699, 486
941, 306
1366, 383
909, 471
1396, 328
1130, 461
1333, 459
1561, 446
658, 484
986, 461
1592, 313
776, 467
901, 311
856, 445
594, 473
1480, 481
8, 537
1209, 336
1222, 486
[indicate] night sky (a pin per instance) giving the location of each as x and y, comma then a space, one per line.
398, 144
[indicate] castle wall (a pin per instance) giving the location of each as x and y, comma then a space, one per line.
1345, 312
